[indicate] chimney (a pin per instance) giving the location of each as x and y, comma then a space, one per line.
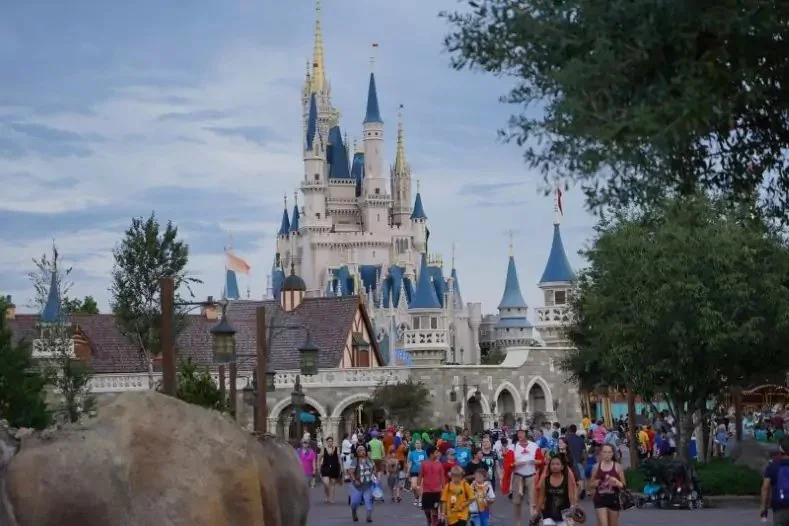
210, 309
10, 308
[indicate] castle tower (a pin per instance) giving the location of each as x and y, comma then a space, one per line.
282, 236
513, 327
428, 342
375, 199
316, 82
315, 183
419, 223
400, 179
556, 283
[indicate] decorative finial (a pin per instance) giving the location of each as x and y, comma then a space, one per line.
558, 212
453, 255
400, 154
292, 267
511, 233
286, 200
372, 57
417, 185
296, 198
318, 63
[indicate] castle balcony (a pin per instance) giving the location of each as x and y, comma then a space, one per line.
425, 339
555, 316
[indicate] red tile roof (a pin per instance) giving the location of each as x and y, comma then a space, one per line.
328, 319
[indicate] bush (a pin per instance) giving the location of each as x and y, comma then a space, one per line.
718, 477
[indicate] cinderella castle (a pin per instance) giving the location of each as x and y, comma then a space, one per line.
361, 228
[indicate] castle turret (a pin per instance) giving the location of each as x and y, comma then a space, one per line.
419, 222
375, 199
400, 179
556, 283
513, 327
428, 342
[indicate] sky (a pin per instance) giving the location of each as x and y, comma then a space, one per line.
110, 111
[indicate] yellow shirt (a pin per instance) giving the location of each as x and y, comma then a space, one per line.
643, 438
586, 423
456, 498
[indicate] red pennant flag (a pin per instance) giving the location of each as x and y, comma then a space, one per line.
559, 200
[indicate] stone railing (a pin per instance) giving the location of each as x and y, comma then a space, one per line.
553, 316
119, 383
43, 349
343, 377
425, 339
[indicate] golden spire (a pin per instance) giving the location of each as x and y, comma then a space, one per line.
400, 155
318, 62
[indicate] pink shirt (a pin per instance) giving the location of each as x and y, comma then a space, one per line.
307, 461
598, 435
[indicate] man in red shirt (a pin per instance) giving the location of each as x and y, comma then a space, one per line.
431, 480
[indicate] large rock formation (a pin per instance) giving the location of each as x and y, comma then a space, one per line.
151, 460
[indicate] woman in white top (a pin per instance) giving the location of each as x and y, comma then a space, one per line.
345, 455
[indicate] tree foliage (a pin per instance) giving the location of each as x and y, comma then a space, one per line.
145, 255
681, 301
404, 402
22, 384
197, 387
87, 305
630, 99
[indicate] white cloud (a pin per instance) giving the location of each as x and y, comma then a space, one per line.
251, 82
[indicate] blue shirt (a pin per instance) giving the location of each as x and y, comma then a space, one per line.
416, 457
450, 437
773, 473
463, 456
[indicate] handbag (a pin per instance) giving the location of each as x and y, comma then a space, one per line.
626, 499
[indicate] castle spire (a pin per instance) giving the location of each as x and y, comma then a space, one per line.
400, 154
373, 114
318, 61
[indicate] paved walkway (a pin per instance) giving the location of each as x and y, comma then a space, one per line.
404, 514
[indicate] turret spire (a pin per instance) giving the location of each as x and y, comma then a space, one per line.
373, 114
558, 212
318, 61
512, 297
284, 227
400, 154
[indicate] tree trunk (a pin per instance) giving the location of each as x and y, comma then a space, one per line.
737, 399
684, 432
631, 428
701, 444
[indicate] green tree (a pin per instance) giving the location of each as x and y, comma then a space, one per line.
22, 384
145, 255
198, 388
631, 99
493, 357
681, 301
404, 402
87, 305
70, 376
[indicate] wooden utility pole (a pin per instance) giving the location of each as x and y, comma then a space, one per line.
222, 389
262, 355
166, 295
233, 394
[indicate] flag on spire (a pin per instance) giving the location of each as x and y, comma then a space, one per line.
237, 264
559, 200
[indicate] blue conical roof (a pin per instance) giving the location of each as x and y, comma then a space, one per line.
425, 295
512, 297
456, 289
284, 227
558, 269
52, 312
357, 171
373, 113
277, 280
294, 223
339, 167
231, 285
419, 210
312, 121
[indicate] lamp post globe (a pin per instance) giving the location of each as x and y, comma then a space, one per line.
308, 354
224, 336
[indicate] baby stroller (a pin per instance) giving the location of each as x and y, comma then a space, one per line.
654, 494
684, 487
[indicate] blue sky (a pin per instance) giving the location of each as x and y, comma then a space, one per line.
110, 111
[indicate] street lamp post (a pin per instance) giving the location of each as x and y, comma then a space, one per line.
224, 351
297, 401
308, 365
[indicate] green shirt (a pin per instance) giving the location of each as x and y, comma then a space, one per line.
376, 449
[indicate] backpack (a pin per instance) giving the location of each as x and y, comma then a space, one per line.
781, 493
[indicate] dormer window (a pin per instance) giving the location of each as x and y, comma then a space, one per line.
360, 350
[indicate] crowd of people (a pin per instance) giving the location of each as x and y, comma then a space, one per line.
459, 479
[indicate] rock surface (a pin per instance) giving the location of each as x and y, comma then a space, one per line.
151, 460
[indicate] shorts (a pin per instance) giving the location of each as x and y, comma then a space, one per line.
391, 481
608, 501
528, 484
379, 465
430, 501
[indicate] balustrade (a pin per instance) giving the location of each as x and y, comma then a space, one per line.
425, 338
553, 316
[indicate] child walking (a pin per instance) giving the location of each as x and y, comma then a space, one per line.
479, 509
456, 498
393, 475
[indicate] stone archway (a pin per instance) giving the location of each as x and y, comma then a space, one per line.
506, 407
287, 425
477, 412
539, 397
